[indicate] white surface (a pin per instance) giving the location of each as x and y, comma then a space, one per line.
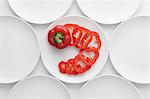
108, 87
129, 49
39, 87
51, 56
19, 49
40, 11
108, 69
109, 11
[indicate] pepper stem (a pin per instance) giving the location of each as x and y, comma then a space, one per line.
58, 37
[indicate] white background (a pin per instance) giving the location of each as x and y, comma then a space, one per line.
74, 10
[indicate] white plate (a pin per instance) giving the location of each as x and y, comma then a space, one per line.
19, 49
52, 56
108, 87
129, 49
109, 11
40, 11
39, 87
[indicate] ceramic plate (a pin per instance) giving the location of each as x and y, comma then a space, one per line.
19, 49
39, 87
40, 11
52, 56
109, 11
108, 87
129, 49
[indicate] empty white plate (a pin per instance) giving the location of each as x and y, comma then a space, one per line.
19, 49
52, 56
108, 87
40, 11
109, 11
130, 49
39, 87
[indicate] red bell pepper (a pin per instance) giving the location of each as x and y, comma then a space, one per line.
62, 67
96, 40
59, 37
67, 67
77, 66
76, 36
85, 39
90, 59
70, 69
71, 28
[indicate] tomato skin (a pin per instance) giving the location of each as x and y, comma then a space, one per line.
64, 33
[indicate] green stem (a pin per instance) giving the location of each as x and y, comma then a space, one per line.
58, 37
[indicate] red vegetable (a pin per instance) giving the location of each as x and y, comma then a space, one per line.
71, 28
70, 69
88, 42
67, 67
90, 59
76, 36
86, 38
62, 67
80, 68
96, 40
59, 37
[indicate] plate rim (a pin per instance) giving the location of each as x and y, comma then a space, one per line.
40, 23
111, 23
106, 41
40, 75
110, 75
109, 48
39, 53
